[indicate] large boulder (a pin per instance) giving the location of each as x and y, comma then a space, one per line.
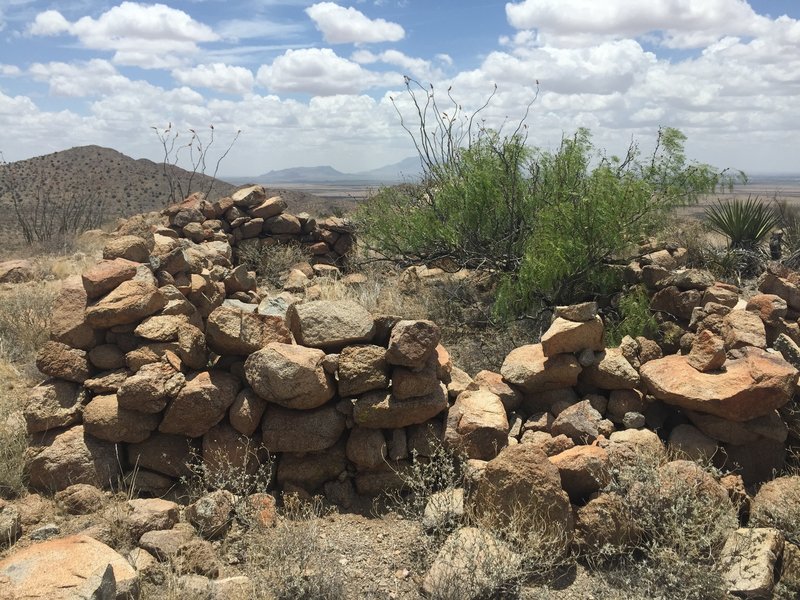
54, 403
292, 376
105, 419
751, 386
286, 430
412, 343
70, 568
128, 303
330, 325
380, 409
521, 486
477, 425
528, 368
62, 457
231, 331
201, 403
567, 336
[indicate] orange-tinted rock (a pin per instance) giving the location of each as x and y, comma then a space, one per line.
752, 385
584, 470
67, 568
528, 368
128, 303
105, 275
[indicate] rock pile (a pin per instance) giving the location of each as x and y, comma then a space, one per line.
249, 220
731, 380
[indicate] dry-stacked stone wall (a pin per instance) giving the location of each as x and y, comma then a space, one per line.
165, 352
250, 220
161, 354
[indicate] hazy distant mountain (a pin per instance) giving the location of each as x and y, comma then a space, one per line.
404, 170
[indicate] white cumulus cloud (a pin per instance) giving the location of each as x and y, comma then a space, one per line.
416, 67
142, 35
685, 23
321, 72
340, 25
217, 76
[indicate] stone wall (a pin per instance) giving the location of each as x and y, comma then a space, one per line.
167, 354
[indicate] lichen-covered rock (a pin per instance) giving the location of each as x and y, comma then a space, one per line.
380, 409
292, 376
62, 457
330, 324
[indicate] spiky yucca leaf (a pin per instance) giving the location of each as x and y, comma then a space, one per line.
744, 222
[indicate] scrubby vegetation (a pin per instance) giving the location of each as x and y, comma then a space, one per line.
550, 223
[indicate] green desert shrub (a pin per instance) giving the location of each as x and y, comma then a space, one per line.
550, 222
633, 317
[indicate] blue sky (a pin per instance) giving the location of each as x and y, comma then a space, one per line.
311, 83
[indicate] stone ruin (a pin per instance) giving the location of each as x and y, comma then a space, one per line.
165, 354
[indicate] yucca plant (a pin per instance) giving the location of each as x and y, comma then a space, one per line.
744, 222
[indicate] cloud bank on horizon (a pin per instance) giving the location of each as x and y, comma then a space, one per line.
311, 83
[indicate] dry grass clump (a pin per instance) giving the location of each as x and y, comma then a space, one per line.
13, 438
272, 263
293, 561
24, 320
683, 527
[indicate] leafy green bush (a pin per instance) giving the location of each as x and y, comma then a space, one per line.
634, 317
744, 222
549, 222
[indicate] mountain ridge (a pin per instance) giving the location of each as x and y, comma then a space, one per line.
393, 173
